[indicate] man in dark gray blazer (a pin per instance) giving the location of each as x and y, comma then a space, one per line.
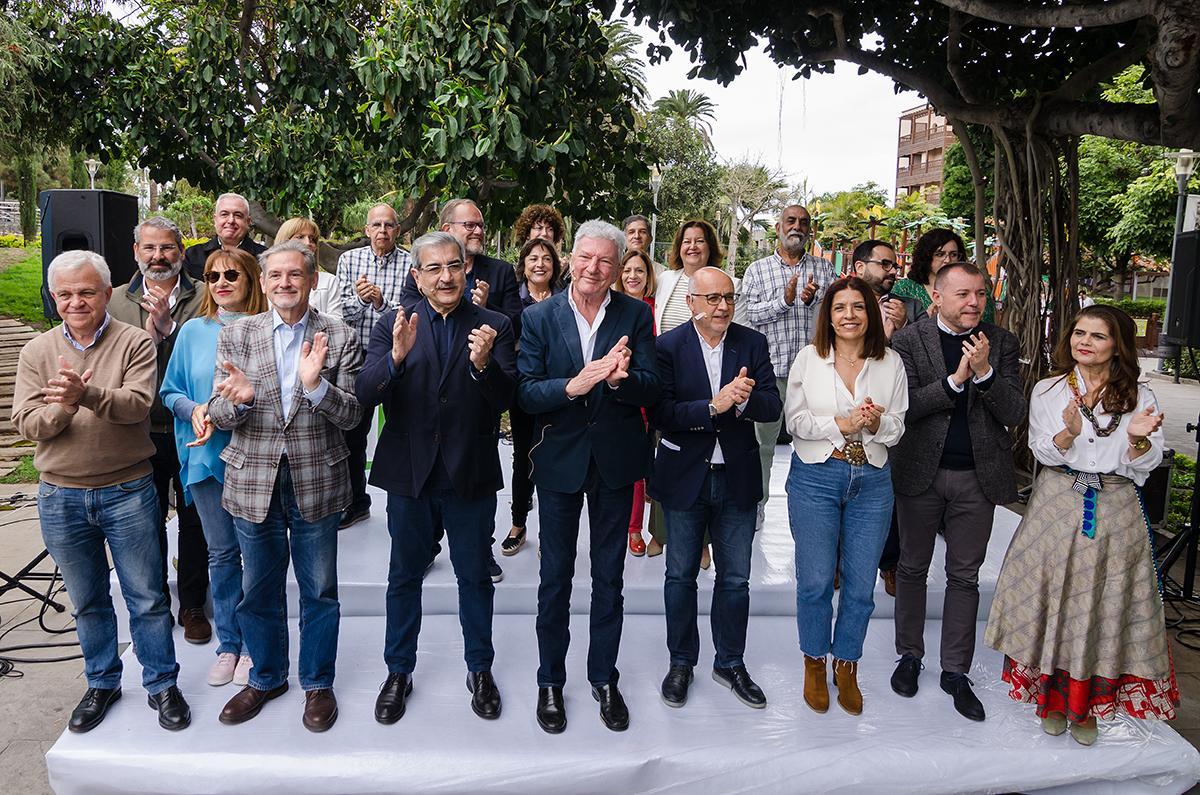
965, 394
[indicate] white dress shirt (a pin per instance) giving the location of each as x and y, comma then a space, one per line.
289, 342
588, 331
712, 363
1090, 451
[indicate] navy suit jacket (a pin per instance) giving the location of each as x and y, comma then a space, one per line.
503, 296
605, 425
689, 433
429, 410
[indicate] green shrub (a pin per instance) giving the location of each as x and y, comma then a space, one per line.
12, 241
1142, 307
1183, 481
1188, 364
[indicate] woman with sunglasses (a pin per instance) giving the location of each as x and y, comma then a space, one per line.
935, 249
233, 293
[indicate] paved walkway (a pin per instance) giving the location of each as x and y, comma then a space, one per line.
13, 335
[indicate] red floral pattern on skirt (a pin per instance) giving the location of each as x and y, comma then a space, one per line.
1077, 698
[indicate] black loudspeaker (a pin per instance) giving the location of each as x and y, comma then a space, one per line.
1182, 326
91, 220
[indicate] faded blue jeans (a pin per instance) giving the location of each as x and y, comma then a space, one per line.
224, 562
75, 525
834, 504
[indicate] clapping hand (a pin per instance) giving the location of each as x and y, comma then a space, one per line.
202, 426
810, 289
368, 292
236, 387
157, 304
1144, 423
404, 335
621, 356
479, 343
789, 290
66, 390
894, 316
735, 393
601, 369
479, 295
312, 361
869, 413
975, 351
1073, 420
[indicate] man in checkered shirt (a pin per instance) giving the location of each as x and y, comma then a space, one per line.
780, 296
372, 278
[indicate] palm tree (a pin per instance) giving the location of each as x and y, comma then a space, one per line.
624, 57
690, 107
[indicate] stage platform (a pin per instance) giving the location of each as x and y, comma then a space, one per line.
363, 553
712, 745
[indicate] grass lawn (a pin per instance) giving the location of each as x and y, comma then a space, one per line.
24, 473
20, 290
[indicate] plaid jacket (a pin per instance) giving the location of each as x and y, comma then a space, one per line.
316, 447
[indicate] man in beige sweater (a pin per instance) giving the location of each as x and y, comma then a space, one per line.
83, 394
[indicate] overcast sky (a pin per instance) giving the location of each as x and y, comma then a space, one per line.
835, 130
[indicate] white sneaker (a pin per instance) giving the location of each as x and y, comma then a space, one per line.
241, 674
221, 672
761, 519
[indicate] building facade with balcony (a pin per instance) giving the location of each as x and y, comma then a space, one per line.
922, 140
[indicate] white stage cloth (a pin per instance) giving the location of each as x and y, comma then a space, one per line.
712, 745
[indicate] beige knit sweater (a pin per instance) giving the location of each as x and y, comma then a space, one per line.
107, 441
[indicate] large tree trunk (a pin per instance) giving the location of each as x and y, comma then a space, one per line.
27, 194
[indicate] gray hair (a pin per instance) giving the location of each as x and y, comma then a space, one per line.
310, 259
159, 222
73, 261
237, 196
436, 240
452, 205
600, 230
634, 219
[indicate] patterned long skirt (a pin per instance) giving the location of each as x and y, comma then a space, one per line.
1078, 618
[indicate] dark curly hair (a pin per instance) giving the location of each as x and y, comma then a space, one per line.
921, 270
532, 215
716, 255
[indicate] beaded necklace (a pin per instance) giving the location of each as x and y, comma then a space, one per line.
1086, 410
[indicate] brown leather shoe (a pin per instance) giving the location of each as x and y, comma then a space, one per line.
816, 688
320, 709
196, 628
248, 703
889, 581
845, 678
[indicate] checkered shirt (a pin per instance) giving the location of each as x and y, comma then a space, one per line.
387, 273
787, 328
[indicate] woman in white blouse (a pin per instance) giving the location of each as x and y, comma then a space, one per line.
846, 397
1077, 611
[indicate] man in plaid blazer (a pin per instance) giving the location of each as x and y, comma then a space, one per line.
285, 387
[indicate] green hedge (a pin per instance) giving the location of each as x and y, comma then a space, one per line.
1188, 363
1183, 481
1142, 307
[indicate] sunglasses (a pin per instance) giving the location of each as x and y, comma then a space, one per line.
231, 276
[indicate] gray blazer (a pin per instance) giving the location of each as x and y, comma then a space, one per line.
990, 413
316, 445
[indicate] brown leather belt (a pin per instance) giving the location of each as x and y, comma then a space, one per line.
838, 454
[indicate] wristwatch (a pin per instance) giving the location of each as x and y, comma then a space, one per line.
712, 411
1141, 445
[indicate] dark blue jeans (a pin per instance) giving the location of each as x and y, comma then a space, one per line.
558, 535
224, 563
262, 613
75, 525
412, 523
732, 530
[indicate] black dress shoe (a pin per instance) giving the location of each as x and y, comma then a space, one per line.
92, 708
551, 710
494, 570
389, 706
965, 701
173, 711
675, 685
613, 711
485, 696
353, 515
904, 678
738, 680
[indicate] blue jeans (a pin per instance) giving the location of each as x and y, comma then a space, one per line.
75, 525
558, 535
732, 530
412, 522
834, 504
262, 613
224, 562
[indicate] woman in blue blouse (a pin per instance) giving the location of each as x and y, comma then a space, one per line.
233, 293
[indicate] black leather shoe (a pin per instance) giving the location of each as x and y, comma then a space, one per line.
485, 696
389, 706
173, 711
904, 678
613, 711
353, 515
965, 701
551, 710
494, 570
738, 680
675, 685
92, 708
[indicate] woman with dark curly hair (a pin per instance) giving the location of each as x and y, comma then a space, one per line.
539, 220
935, 249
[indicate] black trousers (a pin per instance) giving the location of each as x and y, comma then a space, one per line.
891, 548
193, 549
356, 440
522, 487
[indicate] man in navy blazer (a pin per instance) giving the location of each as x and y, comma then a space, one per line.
587, 370
444, 371
717, 381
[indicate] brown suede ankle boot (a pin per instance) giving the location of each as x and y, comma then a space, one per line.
845, 678
816, 688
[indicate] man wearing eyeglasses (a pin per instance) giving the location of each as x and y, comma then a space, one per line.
444, 370
231, 222
782, 294
160, 299
717, 381
372, 282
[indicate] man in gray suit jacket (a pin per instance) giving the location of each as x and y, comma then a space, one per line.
965, 394
285, 387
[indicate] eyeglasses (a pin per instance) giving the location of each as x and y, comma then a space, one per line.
231, 276
150, 248
470, 226
715, 299
886, 264
953, 255
382, 225
451, 267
